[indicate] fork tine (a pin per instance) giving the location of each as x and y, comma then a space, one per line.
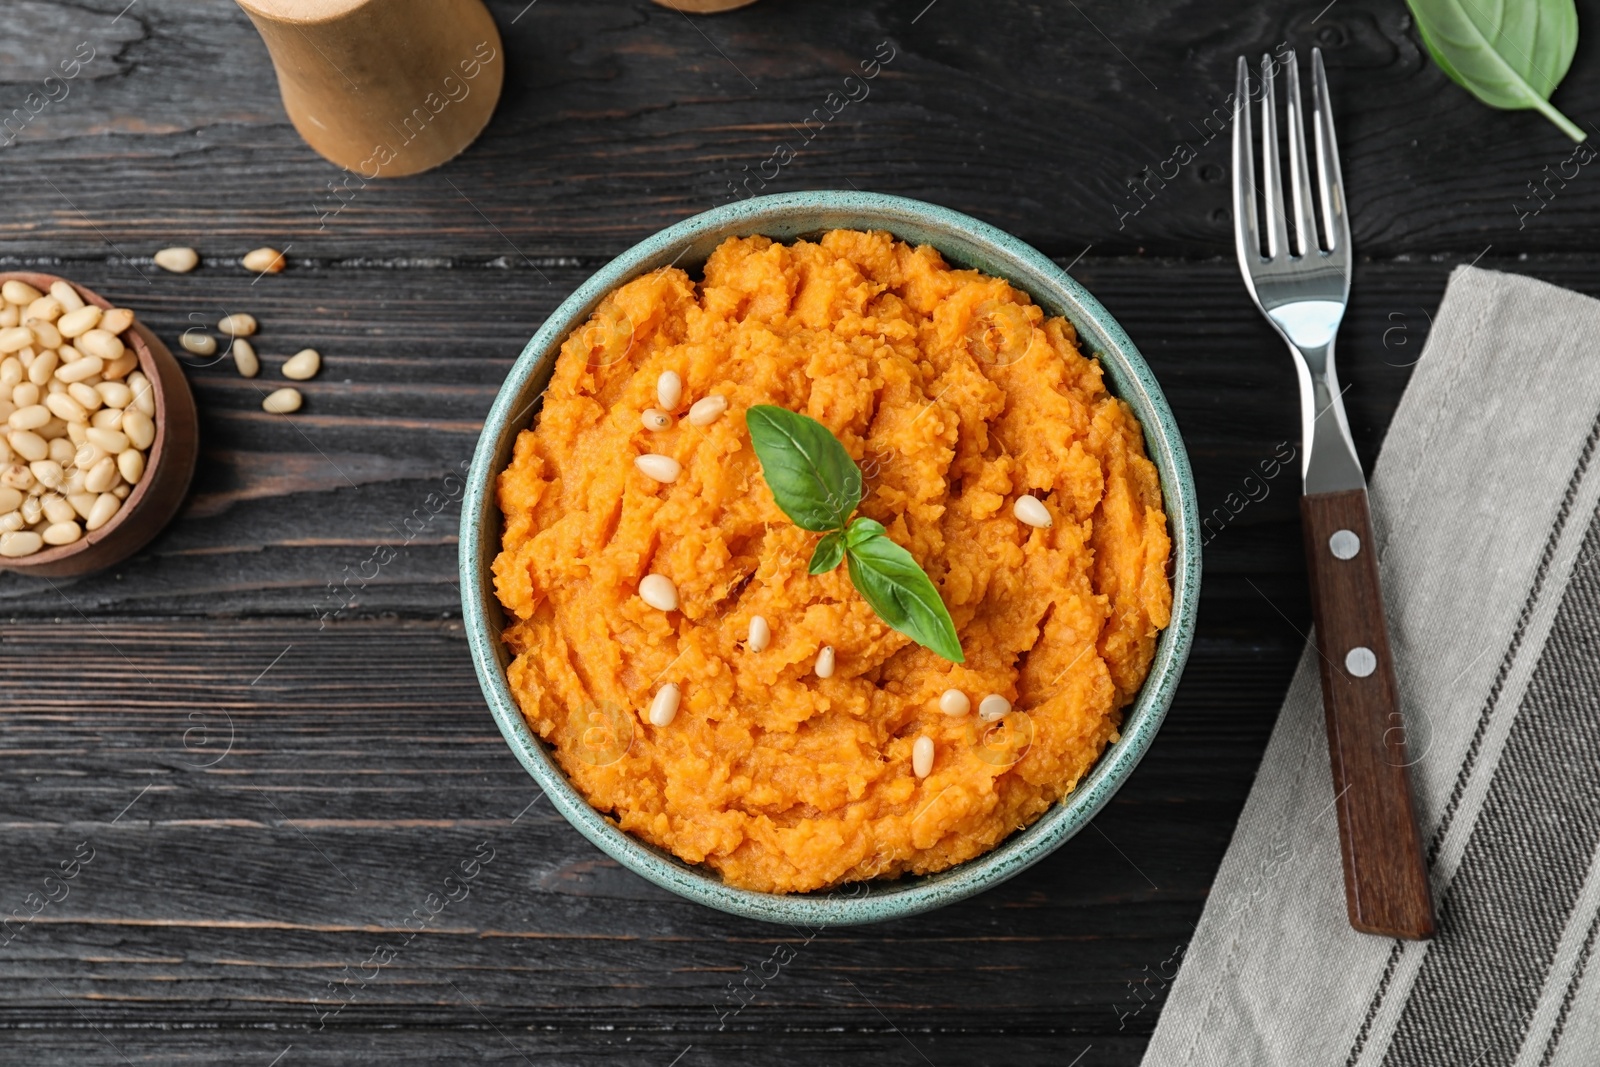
1247, 232
1271, 178
1305, 225
1330, 183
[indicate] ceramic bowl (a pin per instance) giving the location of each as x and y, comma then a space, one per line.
169, 466
965, 242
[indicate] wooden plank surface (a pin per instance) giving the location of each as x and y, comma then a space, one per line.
269, 786
620, 117
264, 803
412, 359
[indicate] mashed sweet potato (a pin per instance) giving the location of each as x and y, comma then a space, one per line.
955, 395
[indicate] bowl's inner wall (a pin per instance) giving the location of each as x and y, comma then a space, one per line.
515, 411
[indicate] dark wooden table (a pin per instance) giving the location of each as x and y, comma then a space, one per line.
266, 798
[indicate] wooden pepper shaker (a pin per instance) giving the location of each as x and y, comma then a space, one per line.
384, 88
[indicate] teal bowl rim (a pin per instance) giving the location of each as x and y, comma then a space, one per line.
966, 242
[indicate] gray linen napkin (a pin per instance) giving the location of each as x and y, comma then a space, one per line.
1484, 504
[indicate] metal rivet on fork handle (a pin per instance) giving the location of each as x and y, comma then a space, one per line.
1361, 661
1344, 544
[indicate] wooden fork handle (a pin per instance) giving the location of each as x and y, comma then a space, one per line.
1385, 873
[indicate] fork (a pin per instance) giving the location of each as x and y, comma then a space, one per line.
1303, 291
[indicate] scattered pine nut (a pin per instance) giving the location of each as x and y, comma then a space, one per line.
264, 261
116, 320
45, 335
100, 343
101, 477
200, 344
992, 707
760, 635
89, 396
922, 757
658, 591
1031, 510
139, 427
113, 441
130, 464
238, 325
282, 401
177, 260
17, 476
19, 292
62, 533
105, 506
87, 455
29, 445
660, 468
669, 390
111, 394
20, 543
66, 295
120, 366
48, 473
303, 365
79, 369
954, 702
29, 418
707, 409
79, 322
56, 508
64, 406
144, 396
244, 358
825, 662
664, 708
15, 339
42, 368
44, 309
655, 420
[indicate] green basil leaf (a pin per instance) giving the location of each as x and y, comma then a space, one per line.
1507, 55
829, 553
812, 478
900, 592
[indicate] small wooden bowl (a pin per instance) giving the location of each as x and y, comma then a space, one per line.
168, 468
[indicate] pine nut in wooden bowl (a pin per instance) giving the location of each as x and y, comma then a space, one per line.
146, 485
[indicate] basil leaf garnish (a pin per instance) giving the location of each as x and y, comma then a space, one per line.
812, 478
1508, 60
816, 483
829, 553
899, 591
